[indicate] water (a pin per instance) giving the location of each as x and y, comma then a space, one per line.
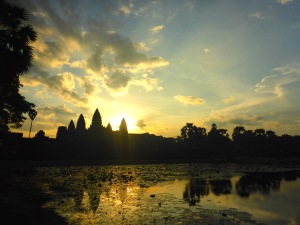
172, 194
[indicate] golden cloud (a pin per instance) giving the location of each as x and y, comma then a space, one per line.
67, 80
125, 10
156, 29
78, 64
284, 2
189, 100
229, 100
206, 50
149, 83
276, 84
142, 46
257, 15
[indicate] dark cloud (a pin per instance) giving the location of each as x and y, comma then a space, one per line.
236, 121
53, 49
126, 52
59, 111
53, 116
117, 80
89, 87
123, 52
95, 61
140, 124
256, 120
54, 54
66, 33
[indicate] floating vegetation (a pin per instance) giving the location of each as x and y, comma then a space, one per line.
154, 194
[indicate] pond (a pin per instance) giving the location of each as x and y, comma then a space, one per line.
172, 193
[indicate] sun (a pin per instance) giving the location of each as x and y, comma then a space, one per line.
115, 122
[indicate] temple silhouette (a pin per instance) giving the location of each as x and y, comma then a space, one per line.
98, 142
95, 142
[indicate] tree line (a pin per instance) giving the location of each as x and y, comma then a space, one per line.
217, 142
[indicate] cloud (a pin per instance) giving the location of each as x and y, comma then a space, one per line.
58, 111
125, 10
89, 44
117, 80
52, 116
78, 64
241, 108
140, 124
119, 52
206, 50
49, 118
129, 8
89, 84
95, 60
189, 100
67, 80
142, 46
236, 120
50, 53
275, 84
244, 113
126, 54
62, 84
149, 83
228, 100
284, 2
257, 15
243, 120
156, 29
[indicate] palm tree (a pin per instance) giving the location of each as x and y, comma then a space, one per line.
16, 56
32, 114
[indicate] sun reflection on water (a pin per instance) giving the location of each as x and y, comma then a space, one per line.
134, 195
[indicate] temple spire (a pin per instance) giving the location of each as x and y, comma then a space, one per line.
80, 123
123, 127
96, 120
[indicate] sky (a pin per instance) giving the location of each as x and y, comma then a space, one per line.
161, 64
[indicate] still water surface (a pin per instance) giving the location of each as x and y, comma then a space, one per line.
173, 194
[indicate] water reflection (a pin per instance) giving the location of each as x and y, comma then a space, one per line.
195, 188
263, 182
219, 187
172, 194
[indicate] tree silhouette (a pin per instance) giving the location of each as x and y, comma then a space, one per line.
16, 56
219, 141
260, 132
40, 134
192, 134
237, 133
271, 134
32, 114
213, 133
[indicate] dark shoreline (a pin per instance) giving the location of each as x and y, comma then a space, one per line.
75, 162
